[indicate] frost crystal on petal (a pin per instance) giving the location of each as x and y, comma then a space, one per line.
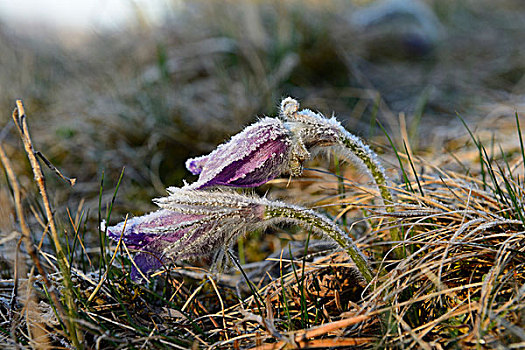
195, 165
251, 158
150, 233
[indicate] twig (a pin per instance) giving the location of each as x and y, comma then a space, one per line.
19, 118
329, 327
321, 344
70, 181
301, 338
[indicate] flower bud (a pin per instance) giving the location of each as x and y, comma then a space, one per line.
191, 225
251, 158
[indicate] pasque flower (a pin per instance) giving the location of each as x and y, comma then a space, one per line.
251, 158
199, 224
190, 225
273, 146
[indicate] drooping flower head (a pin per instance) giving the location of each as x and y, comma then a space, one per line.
310, 128
266, 149
199, 224
313, 131
272, 146
251, 158
191, 225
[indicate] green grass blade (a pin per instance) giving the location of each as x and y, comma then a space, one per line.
110, 209
408, 186
414, 170
521, 138
478, 145
258, 299
100, 232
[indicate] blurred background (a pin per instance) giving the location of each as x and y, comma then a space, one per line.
144, 85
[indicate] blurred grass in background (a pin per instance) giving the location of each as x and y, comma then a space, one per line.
148, 95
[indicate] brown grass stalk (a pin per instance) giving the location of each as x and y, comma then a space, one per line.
20, 120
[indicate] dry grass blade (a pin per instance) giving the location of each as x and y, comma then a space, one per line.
103, 279
319, 344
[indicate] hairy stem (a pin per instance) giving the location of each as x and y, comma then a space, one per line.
352, 147
321, 225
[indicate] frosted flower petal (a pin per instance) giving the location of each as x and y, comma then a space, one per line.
251, 158
191, 225
150, 234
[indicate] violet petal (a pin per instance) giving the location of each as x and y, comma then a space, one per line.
254, 156
195, 165
146, 262
143, 230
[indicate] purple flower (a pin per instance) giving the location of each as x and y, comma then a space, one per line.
191, 225
258, 154
266, 149
200, 224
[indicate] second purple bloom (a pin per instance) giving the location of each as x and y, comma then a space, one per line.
251, 158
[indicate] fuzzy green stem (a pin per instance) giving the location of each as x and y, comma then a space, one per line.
376, 170
323, 226
360, 150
